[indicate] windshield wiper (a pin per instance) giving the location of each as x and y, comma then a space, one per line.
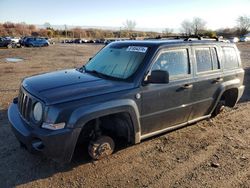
99, 74
81, 69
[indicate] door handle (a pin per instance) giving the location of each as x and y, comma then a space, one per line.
218, 80
187, 86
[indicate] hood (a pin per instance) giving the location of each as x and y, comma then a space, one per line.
67, 85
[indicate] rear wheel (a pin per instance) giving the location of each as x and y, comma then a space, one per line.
101, 147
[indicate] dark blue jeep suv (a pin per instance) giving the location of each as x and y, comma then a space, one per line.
130, 90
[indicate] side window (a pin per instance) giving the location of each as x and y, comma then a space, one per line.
174, 61
203, 59
230, 58
206, 59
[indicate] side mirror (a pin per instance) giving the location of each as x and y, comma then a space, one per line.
158, 77
90, 58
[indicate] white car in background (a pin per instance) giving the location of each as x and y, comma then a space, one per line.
234, 39
244, 39
13, 39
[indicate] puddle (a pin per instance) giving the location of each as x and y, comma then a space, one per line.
13, 59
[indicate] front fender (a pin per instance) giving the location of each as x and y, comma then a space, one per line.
84, 114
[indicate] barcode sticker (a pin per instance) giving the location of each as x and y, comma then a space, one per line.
137, 49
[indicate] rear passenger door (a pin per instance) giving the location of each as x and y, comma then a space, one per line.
208, 76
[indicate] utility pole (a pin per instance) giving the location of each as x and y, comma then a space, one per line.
65, 31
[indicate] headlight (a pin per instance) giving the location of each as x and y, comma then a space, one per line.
38, 111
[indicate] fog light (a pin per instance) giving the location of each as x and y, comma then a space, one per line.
53, 126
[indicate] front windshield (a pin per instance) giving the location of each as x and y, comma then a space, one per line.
117, 61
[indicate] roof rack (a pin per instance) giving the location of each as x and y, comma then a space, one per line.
218, 39
199, 38
189, 38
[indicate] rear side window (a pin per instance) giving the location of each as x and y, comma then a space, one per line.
174, 61
230, 58
206, 59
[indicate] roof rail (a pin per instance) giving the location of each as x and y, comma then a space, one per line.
219, 39
200, 38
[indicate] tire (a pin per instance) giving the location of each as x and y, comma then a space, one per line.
101, 147
14, 45
9, 45
219, 108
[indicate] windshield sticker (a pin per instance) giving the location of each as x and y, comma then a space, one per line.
137, 49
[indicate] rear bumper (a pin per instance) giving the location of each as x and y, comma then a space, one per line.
58, 145
240, 92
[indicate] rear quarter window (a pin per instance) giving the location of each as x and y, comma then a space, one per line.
230, 58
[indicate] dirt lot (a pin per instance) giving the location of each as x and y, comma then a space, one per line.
211, 153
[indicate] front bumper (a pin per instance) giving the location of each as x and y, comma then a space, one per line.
58, 145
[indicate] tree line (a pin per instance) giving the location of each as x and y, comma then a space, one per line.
22, 29
196, 26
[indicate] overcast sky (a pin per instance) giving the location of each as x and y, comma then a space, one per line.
146, 13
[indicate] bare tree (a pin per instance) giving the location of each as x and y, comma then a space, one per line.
243, 23
198, 25
47, 25
79, 32
186, 27
129, 25
167, 31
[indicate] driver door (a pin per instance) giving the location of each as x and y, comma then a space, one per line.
168, 104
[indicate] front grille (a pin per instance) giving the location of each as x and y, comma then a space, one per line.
25, 105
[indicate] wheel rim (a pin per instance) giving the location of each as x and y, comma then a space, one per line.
101, 148
104, 149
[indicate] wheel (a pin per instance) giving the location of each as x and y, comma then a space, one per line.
219, 108
9, 45
101, 147
14, 45
30, 45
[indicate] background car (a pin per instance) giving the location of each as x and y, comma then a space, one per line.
244, 39
234, 39
8, 43
35, 42
78, 41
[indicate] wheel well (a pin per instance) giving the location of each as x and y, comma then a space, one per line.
230, 97
118, 125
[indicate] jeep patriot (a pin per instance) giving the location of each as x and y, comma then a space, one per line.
128, 91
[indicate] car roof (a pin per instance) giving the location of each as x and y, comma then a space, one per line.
175, 42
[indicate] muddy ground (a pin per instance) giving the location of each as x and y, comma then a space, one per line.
211, 153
